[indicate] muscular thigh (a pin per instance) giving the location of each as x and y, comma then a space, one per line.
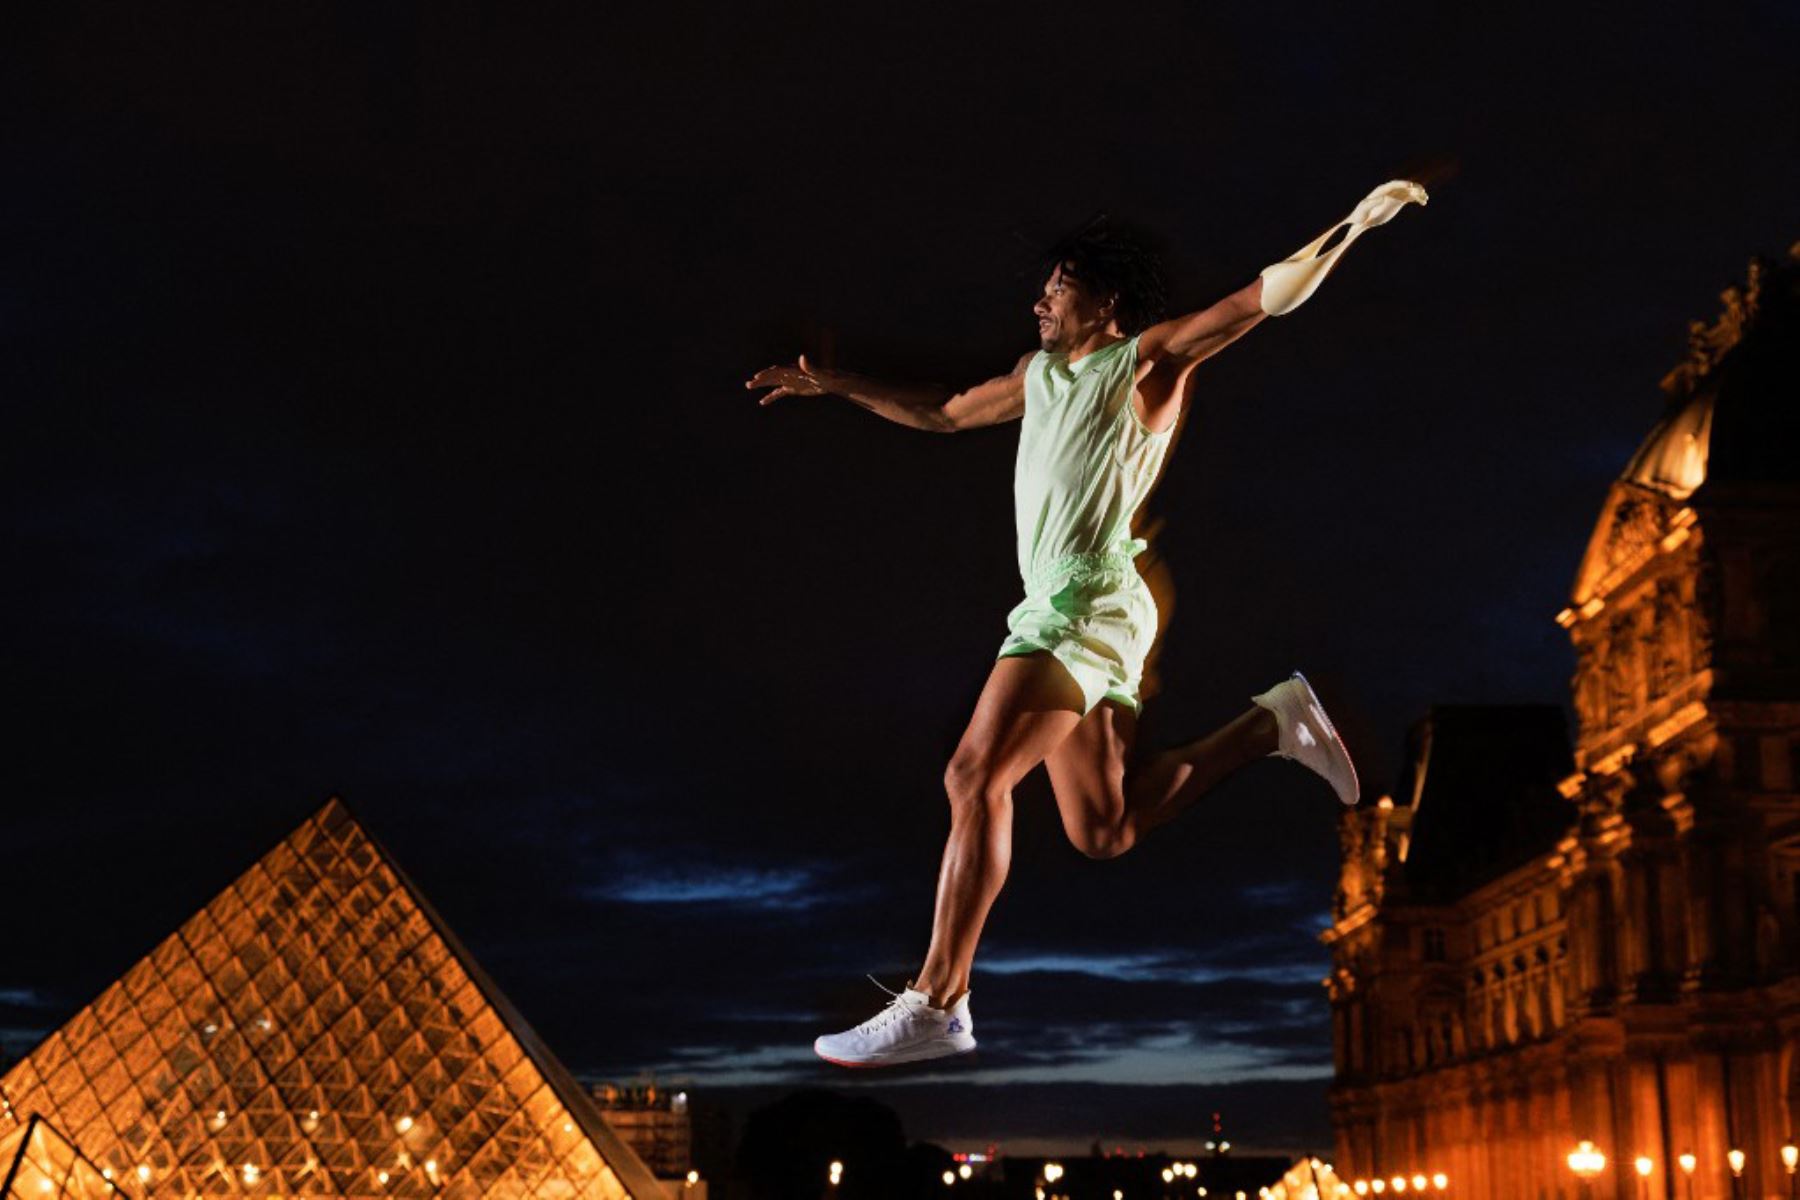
1029, 705
1087, 769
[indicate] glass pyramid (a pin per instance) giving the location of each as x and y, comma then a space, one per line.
316, 1030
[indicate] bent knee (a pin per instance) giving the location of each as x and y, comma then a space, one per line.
1102, 841
972, 784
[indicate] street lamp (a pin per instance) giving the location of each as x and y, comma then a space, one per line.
1644, 1164
1586, 1162
1790, 1158
1440, 1181
835, 1172
1688, 1162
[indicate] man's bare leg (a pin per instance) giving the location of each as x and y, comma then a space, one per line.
1107, 803
1030, 704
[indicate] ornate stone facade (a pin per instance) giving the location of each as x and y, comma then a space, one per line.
1525, 958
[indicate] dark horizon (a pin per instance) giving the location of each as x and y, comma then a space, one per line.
381, 433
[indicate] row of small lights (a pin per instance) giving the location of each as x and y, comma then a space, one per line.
403, 1125
1398, 1184
1587, 1161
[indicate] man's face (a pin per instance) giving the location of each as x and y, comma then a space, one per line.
1067, 314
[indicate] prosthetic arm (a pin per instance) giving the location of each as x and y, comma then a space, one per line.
1287, 284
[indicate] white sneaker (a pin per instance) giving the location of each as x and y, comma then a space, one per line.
1308, 736
907, 1030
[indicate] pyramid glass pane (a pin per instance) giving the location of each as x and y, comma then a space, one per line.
39, 1163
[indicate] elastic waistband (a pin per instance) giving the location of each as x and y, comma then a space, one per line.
1070, 566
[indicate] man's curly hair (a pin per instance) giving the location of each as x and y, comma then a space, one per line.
1109, 259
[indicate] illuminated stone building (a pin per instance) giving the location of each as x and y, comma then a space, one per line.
314, 1030
655, 1123
1534, 946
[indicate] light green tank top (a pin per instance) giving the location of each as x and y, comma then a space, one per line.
1086, 461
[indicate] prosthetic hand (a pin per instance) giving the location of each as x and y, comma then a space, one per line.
1287, 284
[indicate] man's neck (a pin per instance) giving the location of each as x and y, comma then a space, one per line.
1093, 342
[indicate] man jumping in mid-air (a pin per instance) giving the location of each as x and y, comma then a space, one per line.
1099, 403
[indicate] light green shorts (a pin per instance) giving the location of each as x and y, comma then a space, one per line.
1096, 616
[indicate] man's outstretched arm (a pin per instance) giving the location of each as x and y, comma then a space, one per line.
1279, 289
1183, 341
934, 409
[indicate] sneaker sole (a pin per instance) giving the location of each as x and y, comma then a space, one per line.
895, 1060
1319, 707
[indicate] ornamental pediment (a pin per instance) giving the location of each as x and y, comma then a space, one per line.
1632, 528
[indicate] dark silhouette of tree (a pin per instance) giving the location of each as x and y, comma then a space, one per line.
788, 1148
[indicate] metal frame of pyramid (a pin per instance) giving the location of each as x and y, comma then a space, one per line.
317, 1030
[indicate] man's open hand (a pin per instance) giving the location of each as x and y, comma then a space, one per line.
802, 379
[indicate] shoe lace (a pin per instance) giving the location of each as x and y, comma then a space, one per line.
896, 1007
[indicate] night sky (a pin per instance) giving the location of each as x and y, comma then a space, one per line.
375, 427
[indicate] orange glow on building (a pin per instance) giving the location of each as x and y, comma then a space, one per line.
1561, 972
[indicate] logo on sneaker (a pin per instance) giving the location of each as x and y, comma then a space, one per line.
1306, 735
955, 1025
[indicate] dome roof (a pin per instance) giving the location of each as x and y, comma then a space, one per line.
1731, 419
1732, 414
1673, 458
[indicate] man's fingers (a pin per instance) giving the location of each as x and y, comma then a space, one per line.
775, 395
